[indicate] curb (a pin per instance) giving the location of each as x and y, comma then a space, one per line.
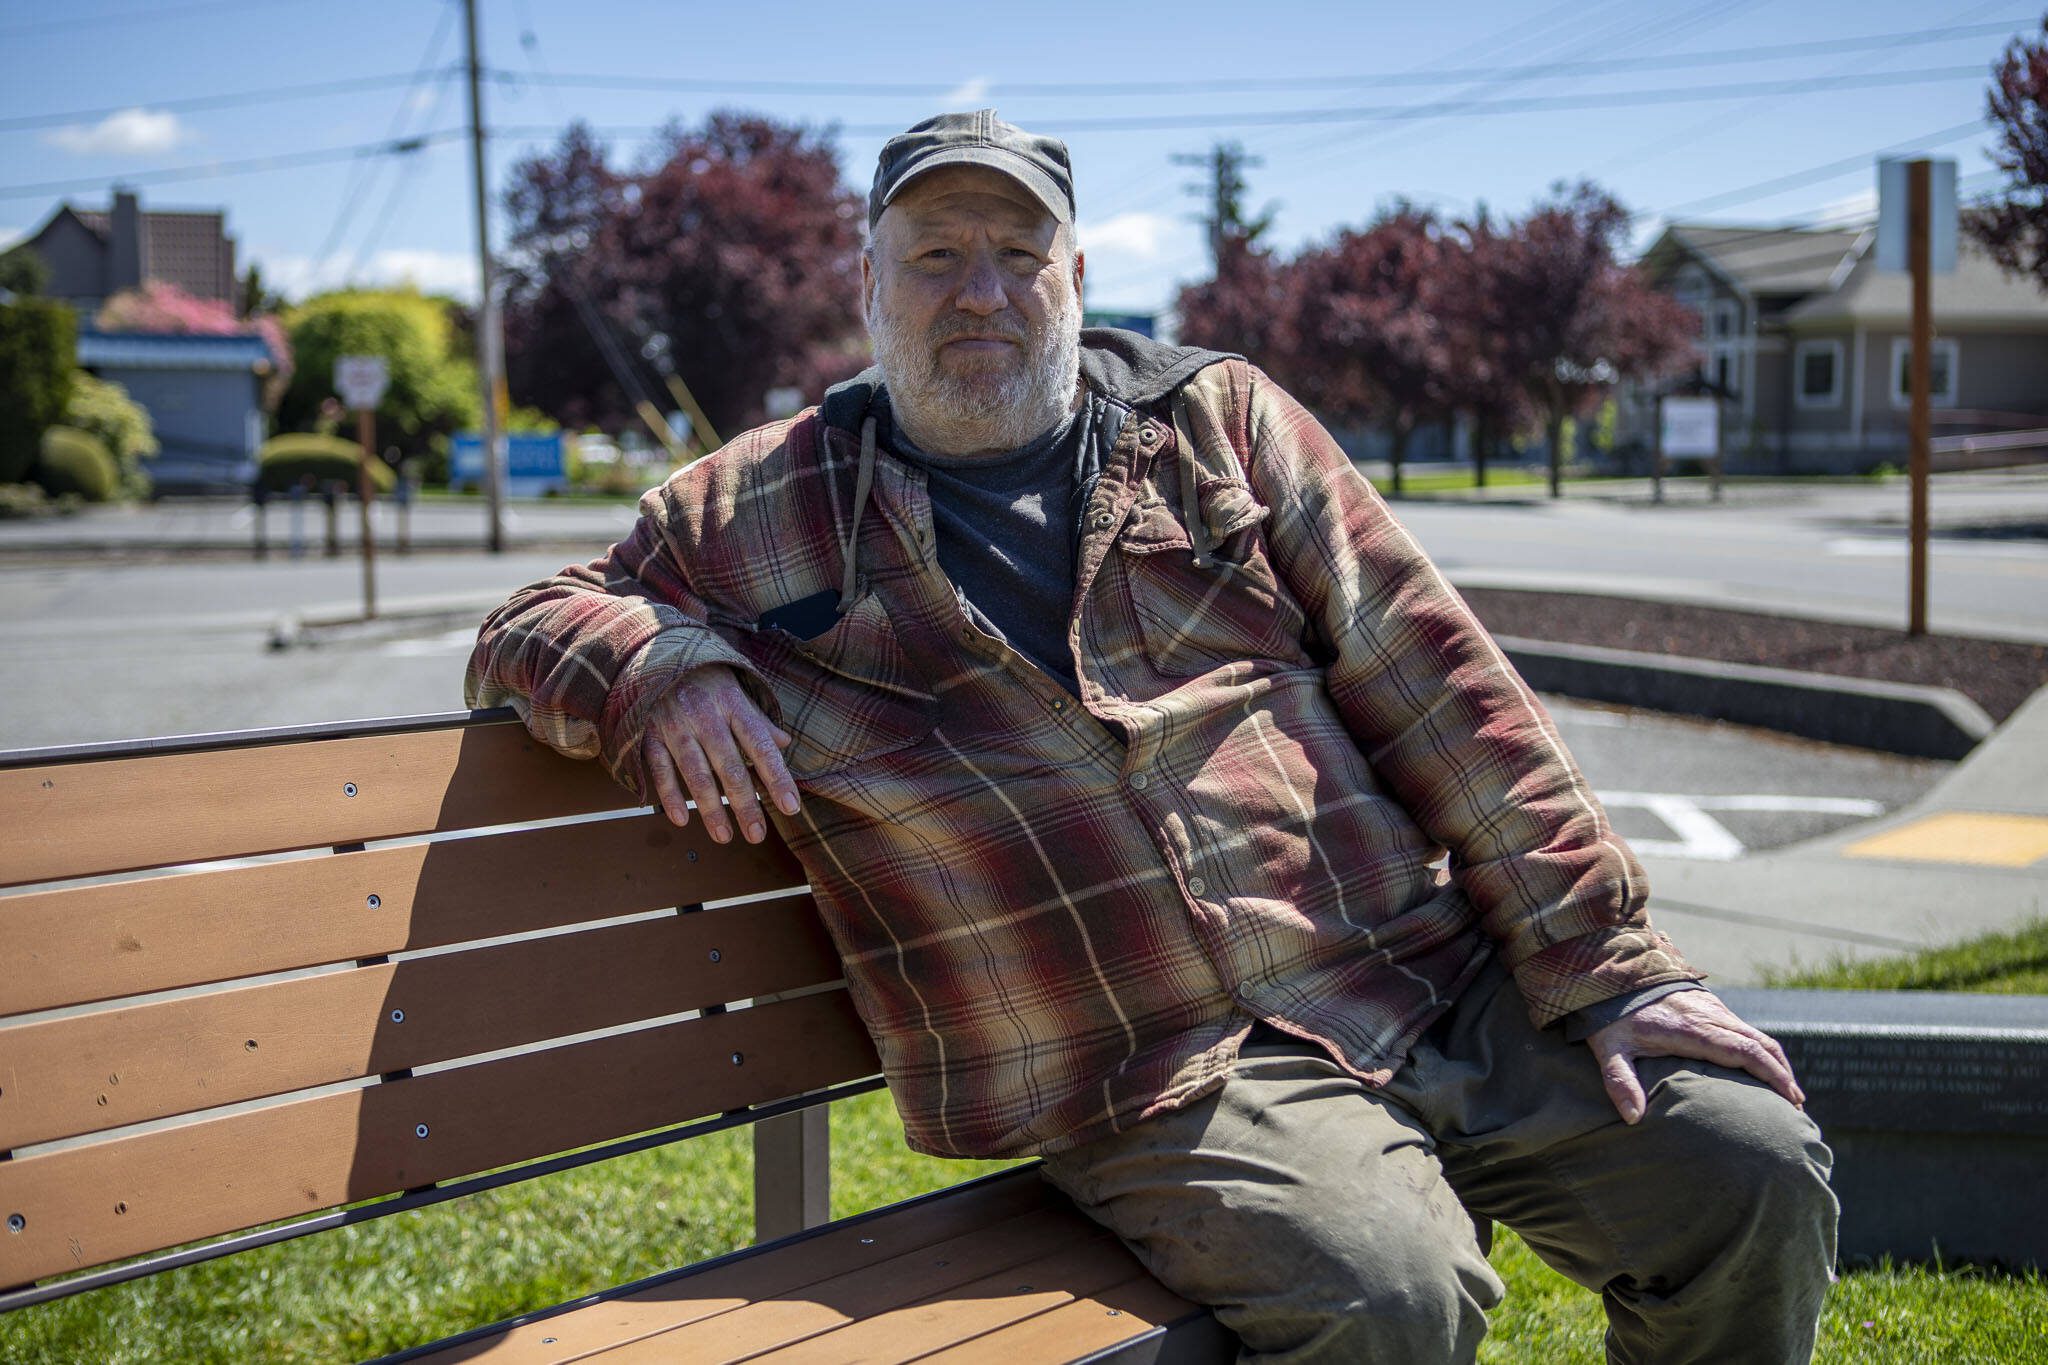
1900, 718
314, 625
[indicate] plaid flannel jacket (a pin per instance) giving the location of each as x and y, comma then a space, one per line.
1057, 919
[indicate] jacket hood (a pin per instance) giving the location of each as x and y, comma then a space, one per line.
1132, 369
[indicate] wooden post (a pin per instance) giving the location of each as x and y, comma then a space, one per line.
366, 436
1919, 234
792, 1173
1657, 455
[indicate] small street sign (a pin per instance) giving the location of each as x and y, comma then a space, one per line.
1691, 427
361, 379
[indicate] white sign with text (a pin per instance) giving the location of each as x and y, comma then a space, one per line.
361, 380
1692, 426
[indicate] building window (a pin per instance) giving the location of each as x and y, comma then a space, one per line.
1727, 320
1817, 374
1942, 372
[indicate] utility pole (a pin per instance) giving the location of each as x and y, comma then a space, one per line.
490, 339
1226, 163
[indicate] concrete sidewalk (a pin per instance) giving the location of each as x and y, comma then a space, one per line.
1969, 858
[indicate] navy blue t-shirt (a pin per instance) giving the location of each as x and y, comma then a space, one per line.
1008, 527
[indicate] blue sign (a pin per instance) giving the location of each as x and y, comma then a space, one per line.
1141, 323
533, 463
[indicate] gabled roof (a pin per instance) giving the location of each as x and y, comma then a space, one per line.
1762, 260
1978, 292
171, 351
185, 247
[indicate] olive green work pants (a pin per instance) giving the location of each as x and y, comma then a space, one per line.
1324, 1220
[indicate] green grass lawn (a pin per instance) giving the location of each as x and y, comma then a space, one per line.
2014, 963
1427, 480
415, 1277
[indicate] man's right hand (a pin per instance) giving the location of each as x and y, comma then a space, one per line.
703, 739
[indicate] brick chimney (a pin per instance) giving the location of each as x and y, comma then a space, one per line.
124, 261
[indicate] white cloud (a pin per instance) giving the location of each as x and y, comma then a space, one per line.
131, 132
434, 272
1139, 236
1136, 260
969, 94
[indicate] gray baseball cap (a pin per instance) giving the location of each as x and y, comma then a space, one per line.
1037, 163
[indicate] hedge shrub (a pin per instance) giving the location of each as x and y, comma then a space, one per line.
78, 462
104, 408
38, 349
284, 460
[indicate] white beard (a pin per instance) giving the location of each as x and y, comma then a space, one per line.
962, 412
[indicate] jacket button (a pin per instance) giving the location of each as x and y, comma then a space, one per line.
1139, 781
1198, 887
1101, 520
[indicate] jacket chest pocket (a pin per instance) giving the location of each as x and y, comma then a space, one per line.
1230, 608
849, 694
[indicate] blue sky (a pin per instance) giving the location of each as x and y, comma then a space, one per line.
1348, 105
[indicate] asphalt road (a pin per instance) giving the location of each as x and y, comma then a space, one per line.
1828, 549
105, 652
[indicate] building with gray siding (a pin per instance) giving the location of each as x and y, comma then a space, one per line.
1809, 341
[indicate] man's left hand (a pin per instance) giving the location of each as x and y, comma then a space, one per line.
1693, 1024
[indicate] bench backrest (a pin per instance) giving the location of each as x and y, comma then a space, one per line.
307, 997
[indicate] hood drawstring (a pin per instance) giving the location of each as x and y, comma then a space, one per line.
863, 485
1190, 476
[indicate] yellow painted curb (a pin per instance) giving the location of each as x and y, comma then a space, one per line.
1976, 837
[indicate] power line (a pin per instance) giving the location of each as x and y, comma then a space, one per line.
1625, 34
401, 181
1722, 120
1617, 99
212, 169
132, 16
1814, 174
360, 179
275, 94
1253, 84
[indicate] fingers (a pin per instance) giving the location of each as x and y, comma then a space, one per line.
661, 768
1624, 1087
1706, 1030
704, 739
763, 742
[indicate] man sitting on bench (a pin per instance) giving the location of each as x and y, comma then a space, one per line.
1122, 733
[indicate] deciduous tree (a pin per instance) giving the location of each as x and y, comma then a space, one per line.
433, 388
1369, 340
733, 257
2014, 226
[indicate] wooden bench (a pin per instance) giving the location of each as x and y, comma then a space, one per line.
331, 975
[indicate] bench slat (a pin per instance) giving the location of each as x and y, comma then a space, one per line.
95, 816
1090, 1262
111, 1068
89, 943
681, 1297
1092, 1323
95, 1203
830, 1304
